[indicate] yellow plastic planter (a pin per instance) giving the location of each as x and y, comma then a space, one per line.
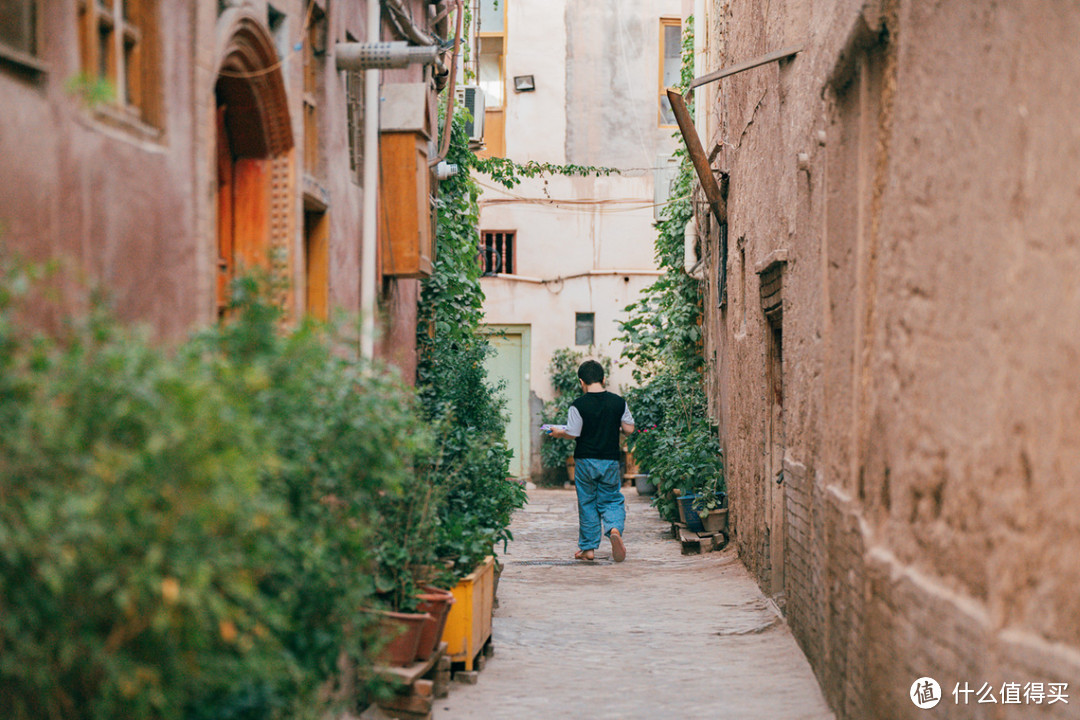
468, 626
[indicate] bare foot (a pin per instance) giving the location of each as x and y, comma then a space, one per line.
618, 548
584, 555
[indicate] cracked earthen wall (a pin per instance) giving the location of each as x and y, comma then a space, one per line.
917, 163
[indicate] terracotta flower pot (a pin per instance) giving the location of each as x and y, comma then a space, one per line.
715, 521
436, 603
402, 630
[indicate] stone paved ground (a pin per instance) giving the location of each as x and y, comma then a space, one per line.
657, 636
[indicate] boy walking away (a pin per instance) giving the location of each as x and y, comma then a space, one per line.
594, 421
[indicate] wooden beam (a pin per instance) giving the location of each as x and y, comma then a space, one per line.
733, 69
697, 155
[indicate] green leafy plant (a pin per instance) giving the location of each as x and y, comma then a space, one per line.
675, 443
465, 410
189, 535
508, 173
710, 494
133, 531
92, 90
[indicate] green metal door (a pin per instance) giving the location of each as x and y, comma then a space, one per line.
510, 365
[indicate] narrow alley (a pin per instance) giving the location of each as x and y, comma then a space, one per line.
658, 636
308, 306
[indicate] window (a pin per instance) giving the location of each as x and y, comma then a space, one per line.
117, 40
317, 264
585, 328
497, 252
491, 72
670, 64
18, 26
314, 50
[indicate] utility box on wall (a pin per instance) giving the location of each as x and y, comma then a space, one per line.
405, 214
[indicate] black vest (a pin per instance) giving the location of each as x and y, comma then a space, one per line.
601, 415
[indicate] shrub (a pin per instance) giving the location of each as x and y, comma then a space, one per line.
465, 410
350, 450
676, 442
134, 534
190, 535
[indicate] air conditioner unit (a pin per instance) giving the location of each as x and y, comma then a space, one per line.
472, 98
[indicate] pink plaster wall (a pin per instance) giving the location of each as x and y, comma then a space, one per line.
133, 211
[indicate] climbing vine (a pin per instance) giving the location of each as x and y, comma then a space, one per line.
675, 441
457, 397
508, 173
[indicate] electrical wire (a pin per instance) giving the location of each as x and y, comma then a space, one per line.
581, 204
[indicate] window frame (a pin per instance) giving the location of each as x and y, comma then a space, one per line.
665, 22
494, 115
486, 265
481, 35
27, 59
313, 61
592, 328
130, 28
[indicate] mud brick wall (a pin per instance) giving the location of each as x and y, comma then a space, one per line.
913, 171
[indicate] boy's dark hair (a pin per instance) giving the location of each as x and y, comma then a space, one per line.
591, 372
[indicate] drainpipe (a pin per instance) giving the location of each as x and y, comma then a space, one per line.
701, 32
450, 96
370, 227
694, 267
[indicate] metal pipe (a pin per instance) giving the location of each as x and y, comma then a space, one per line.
405, 25
701, 33
370, 227
450, 98
575, 276
732, 69
691, 264
697, 155
382, 55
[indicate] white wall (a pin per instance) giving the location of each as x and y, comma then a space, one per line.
596, 69
560, 240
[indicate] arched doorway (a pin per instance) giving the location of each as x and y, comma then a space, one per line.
254, 158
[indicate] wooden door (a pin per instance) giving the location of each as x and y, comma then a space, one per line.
243, 203
225, 269
510, 365
317, 264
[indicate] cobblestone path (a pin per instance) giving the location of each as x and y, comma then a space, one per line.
658, 636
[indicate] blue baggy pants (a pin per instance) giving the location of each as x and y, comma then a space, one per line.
600, 500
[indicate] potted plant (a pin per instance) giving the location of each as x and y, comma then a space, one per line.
401, 633
710, 505
404, 552
436, 602
644, 485
682, 460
